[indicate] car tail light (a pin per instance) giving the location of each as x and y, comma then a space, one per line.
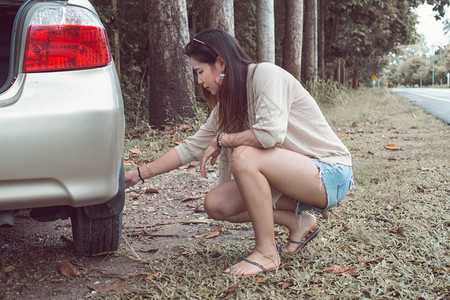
65, 38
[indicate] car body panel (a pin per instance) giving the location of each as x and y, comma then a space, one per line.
67, 128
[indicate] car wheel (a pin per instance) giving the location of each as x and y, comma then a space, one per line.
93, 236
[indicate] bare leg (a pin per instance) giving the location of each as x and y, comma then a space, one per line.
294, 175
225, 203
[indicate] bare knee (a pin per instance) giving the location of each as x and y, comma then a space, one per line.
242, 159
213, 208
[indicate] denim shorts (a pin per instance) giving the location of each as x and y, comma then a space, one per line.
337, 179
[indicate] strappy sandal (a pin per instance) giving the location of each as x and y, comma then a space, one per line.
250, 261
301, 244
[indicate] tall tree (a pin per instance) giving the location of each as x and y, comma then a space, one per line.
308, 60
265, 35
321, 39
293, 36
171, 96
221, 15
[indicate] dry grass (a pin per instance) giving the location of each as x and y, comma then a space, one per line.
390, 232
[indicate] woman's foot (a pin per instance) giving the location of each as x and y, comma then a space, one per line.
297, 233
254, 264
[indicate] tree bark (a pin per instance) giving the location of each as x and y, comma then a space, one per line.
171, 80
308, 42
265, 30
292, 47
116, 41
321, 46
221, 15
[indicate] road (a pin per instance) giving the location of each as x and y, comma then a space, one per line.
433, 101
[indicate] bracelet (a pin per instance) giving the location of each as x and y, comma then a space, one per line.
139, 174
219, 139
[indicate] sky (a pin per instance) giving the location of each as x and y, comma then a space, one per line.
430, 28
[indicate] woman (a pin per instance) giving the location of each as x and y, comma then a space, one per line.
278, 155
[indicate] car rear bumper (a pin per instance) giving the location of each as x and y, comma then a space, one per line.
61, 141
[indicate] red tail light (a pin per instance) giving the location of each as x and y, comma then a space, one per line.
65, 47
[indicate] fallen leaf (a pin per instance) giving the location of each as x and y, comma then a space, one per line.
135, 150
8, 269
208, 235
185, 127
351, 271
339, 270
392, 147
286, 285
334, 269
54, 280
232, 288
68, 269
371, 261
152, 277
151, 191
108, 288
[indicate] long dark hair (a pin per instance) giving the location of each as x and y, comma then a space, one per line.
206, 46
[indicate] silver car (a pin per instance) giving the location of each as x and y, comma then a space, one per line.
61, 120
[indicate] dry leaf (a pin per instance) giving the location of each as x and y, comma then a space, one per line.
232, 288
151, 191
8, 269
152, 277
68, 269
259, 279
135, 150
351, 271
286, 285
339, 270
208, 235
108, 288
373, 261
392, 147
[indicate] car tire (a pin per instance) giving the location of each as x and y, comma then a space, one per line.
94, 236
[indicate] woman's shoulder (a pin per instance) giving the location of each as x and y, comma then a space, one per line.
267, 70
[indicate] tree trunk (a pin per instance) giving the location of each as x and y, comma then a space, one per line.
171, 80
321, 46
265, 30
221, 15
293, 36
308, 42
116, 41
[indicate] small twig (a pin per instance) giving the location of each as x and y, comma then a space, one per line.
132, 249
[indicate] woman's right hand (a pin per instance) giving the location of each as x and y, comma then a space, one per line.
131, 178
211, 152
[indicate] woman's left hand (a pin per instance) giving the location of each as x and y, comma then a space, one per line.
212, 151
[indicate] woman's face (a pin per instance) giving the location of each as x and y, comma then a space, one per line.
207, 74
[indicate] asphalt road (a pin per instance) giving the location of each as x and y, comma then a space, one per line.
433, 101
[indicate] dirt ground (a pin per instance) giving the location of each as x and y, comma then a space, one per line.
158, 217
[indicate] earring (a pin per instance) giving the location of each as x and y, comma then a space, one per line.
219, 78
